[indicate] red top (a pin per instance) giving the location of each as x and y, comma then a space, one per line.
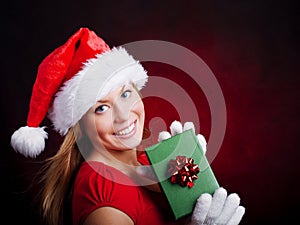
98, 185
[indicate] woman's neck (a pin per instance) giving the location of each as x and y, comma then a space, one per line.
114, 157
124, 161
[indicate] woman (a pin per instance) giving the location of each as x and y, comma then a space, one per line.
91, 94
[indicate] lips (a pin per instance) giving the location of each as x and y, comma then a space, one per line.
126, 131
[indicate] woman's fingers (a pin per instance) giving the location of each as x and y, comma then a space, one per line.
218, 201
231, 204
188, 125
218, 209
202, 142
237, 216
163, 135
176, 127
201, 209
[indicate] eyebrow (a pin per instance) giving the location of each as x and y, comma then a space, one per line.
103, 101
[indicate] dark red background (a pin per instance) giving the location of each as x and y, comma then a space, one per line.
252, 48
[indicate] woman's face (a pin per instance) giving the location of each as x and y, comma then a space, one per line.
116, 121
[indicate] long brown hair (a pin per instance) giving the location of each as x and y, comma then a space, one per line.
58, 177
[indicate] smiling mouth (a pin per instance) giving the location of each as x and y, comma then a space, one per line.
127, 131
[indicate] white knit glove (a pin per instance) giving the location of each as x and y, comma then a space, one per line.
218, 209
176, 128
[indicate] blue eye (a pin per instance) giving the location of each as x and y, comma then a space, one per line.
101, 109
126, 94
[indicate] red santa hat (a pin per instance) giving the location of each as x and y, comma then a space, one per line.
69, 81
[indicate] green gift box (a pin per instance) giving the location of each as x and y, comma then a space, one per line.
182, 199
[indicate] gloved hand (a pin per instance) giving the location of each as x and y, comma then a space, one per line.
176, 128
218, 209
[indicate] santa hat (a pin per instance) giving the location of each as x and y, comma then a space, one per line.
69, 81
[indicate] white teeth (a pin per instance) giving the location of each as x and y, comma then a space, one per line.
126, 131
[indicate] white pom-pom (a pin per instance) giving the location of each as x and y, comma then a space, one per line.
29, 141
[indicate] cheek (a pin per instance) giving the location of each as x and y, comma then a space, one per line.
104, 125
139, 110
96, 126
86, 124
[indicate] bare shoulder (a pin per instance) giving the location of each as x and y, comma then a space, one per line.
108, 216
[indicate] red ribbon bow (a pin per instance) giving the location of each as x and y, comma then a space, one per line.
183, 171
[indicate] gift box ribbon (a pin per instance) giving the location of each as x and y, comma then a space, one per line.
183, 171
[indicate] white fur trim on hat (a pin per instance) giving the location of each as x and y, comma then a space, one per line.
98, 77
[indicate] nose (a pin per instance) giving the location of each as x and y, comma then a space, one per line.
121, 112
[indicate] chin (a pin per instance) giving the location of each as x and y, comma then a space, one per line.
130, 144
